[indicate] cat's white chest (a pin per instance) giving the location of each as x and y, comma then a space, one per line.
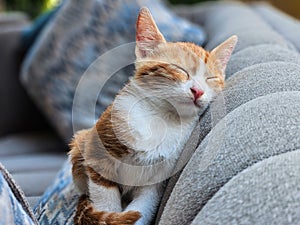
156, 140
156, 135
155, 152
161, 140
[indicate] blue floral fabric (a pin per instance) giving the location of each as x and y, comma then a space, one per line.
58, 204
80, 32
14, 210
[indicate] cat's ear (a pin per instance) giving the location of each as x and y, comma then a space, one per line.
221, 54
147, 34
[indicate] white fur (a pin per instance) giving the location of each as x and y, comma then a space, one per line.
103, 198
145, 200
156, 133
200, 82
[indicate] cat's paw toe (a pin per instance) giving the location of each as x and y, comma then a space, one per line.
125, 218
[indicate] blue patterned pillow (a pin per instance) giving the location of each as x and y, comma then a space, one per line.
58, 204
80, 33
14, 209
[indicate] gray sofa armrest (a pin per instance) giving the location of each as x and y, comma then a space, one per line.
17, 112
283, 23
263, 70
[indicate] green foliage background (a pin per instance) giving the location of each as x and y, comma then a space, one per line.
34, 7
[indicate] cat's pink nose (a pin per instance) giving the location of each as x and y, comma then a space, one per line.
196, 92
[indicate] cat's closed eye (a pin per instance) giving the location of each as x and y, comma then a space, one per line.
182, 70
214, 81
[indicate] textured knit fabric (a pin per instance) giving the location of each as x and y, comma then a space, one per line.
265, 193
81, 31
240, 20
263, 53
252, 132
288, 26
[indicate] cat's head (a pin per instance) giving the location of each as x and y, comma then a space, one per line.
180, 75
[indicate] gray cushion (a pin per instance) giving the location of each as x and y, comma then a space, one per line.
36, 182
29, 143
212, 14
259, 80
253, 75
13, 98
248, 84
244, 137
249, 37
265, 193
242, 21
248, 20
243, 86
288, 26
33, 158
260, 54
33, 162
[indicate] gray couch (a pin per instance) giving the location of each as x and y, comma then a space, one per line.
245, 150
29, 149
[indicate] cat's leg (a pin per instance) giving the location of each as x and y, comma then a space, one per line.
86, 214
103, 205
105, 198
146, 200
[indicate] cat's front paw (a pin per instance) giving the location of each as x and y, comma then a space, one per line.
123, 218
86, 214
108, 218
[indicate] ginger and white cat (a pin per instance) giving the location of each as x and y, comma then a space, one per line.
120, 164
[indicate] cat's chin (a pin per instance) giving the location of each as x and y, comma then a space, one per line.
201, 105
194, 105
189, 111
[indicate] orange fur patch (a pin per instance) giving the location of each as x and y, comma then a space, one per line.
206, 57
199, 51
100, 180
78, 169
170, 71
107, 135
